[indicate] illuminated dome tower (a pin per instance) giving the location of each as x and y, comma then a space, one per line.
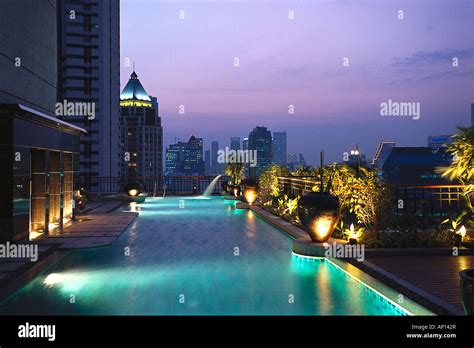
141, 134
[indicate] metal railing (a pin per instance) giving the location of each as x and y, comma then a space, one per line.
434, 202
155, 185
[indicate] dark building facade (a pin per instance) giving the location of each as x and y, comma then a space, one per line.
89, 72
39, 152
260, 139
185, 158
141, 133
279, 148
40, 157
414, 166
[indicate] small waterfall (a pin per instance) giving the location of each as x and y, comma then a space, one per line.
210, 188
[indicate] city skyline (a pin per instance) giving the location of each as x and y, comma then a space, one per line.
404, 60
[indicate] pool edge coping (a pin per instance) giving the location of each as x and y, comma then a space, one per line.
372, 283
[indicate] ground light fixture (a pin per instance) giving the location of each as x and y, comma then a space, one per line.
133, 189
250, 190
318, 214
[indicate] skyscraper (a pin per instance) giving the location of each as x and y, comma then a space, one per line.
301, 160
214, 164
89, 71
141, 134
185, 158
235, 143
245, 144
260, 139
207, 162
174, 159
435, 142
279, 148
472, 115
382, 153
193, 163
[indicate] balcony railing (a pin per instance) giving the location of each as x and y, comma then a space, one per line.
434, 202
155, 185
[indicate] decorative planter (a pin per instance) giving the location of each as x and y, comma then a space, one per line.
318, 214
457, 239
467, 290
250, 190
133, 189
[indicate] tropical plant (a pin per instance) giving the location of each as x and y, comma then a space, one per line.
461, 170
287, 208
352, 232
236, 172
362, 193
303, 171
268, 182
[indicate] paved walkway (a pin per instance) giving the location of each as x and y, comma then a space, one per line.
91, 230
436, 275
98, 227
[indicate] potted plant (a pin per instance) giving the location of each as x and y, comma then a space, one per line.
467, 290
318, 211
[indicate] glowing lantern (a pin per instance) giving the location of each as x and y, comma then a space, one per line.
250, 195
318, 214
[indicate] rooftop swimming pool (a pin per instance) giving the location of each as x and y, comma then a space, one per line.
195, 256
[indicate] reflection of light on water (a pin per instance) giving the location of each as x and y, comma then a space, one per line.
133, 207
52, 279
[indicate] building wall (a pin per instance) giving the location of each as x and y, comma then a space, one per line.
90, 72
28, 32
279, 148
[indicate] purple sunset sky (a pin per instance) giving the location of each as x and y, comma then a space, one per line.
299, 62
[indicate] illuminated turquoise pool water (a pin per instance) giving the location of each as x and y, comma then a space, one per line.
194, 256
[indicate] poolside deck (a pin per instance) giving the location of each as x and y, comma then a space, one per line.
101, 225
437, 276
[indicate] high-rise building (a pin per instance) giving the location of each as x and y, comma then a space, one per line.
38, 151
174, 159
89, 71
260, 139
292, 161
193, 163
185, 158
235, 143
279, 148
207, 162
301, 160
472, 115
435, 142
245, 144
414, 166
382, 153
141, 134
214, 164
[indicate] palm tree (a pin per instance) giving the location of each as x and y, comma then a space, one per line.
461, 169
235, 171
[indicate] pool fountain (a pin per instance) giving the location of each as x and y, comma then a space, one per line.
210, 188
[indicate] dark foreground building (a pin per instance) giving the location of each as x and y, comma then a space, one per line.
40, 158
